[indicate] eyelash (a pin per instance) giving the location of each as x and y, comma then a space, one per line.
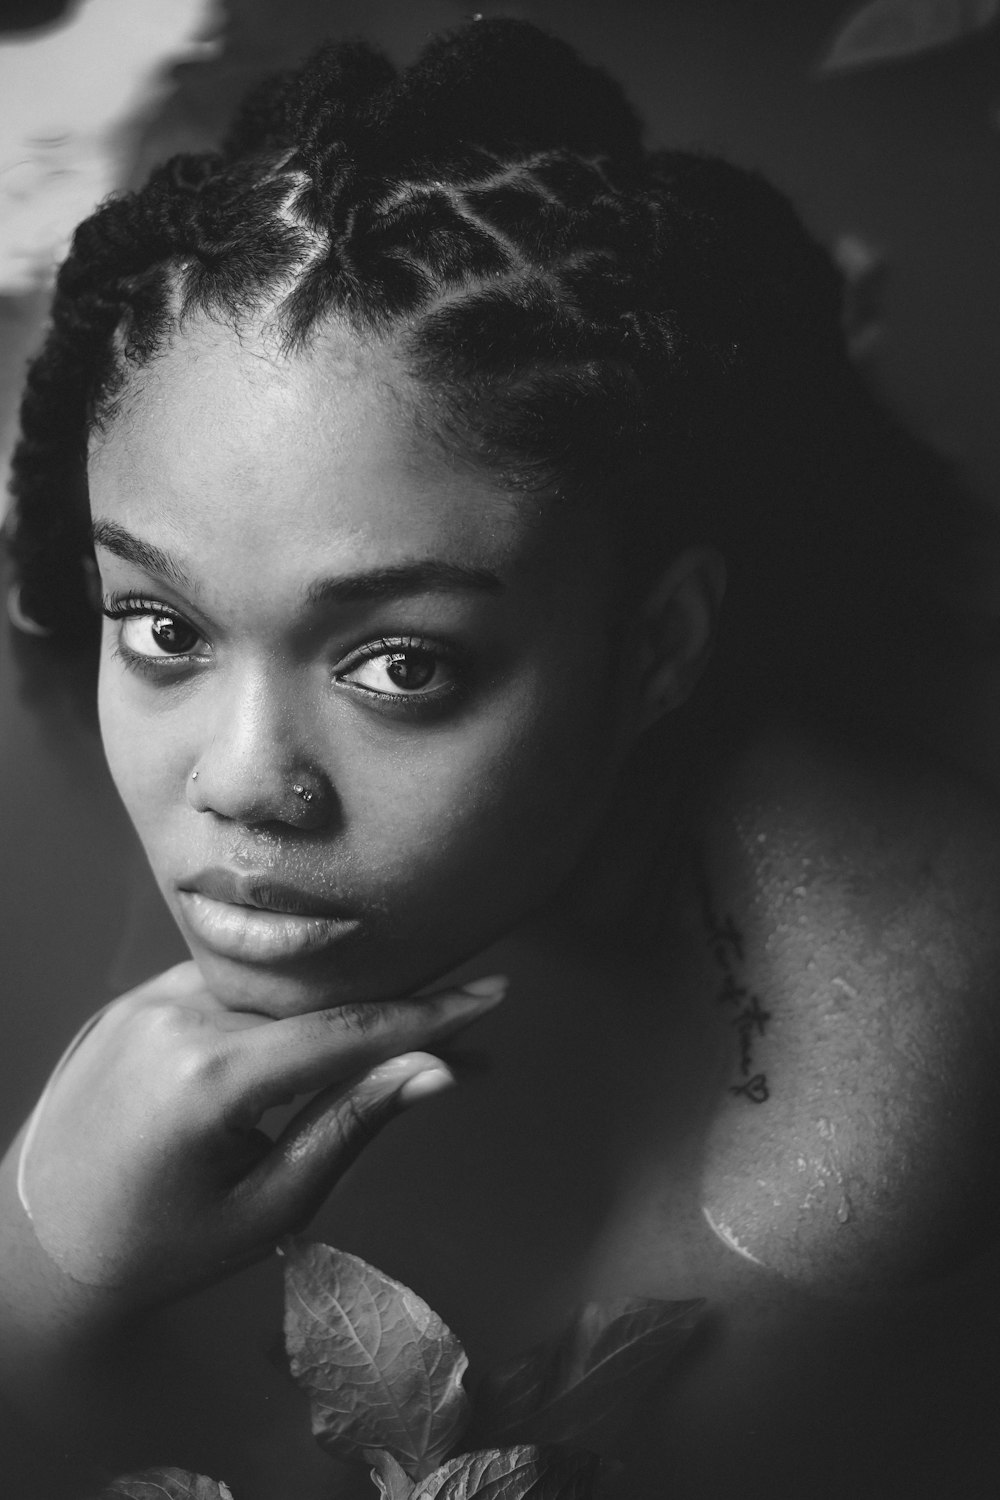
135, 606
396, 646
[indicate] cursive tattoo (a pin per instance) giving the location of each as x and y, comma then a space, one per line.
750, 1019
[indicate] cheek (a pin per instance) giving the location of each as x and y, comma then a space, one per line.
140, 754
492, 813
121, 737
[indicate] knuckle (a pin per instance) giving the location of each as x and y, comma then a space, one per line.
359, 1117
359, 1019
159, 1027
190, 1063
355, 1114
198, 1071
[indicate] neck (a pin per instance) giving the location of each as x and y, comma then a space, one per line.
626, 884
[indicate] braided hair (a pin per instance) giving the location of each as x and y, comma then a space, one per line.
649, 331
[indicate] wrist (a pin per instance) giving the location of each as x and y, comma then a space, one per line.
52, 1328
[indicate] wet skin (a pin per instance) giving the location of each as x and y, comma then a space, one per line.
304, 594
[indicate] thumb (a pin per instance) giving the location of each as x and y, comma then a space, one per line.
320, 1143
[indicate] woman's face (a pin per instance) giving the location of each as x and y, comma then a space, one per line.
363, 706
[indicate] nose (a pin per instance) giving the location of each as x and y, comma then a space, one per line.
257, 764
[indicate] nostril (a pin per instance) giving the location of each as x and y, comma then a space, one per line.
313, 800
303, 800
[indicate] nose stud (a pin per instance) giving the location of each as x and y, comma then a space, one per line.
312, 800
310, 805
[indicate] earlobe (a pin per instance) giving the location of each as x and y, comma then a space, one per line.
678, 621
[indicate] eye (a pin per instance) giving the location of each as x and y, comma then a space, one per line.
399, 669
158, 635
150, 631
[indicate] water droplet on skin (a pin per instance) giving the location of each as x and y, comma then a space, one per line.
728, 1238
842, 984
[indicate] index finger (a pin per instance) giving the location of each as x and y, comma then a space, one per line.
300, 1054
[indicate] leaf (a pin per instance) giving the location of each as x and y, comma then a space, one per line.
165, 1484
888, 29
514, 1474
559, 1391
393, 1482
381, 1368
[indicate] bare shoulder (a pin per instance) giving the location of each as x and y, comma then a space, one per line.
896, 837
864, 887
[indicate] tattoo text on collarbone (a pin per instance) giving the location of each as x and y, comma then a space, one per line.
749, 1019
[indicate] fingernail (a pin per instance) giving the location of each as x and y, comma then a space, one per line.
424, 1085
398, 1069
490, 987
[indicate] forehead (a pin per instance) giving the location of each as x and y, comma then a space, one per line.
285, 463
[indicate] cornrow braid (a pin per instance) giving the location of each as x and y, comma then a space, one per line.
648, 331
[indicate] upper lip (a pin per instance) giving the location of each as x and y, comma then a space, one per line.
263, 892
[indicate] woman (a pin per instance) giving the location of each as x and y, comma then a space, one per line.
409, 434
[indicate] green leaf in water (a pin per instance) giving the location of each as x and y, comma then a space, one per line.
165, 1484
592, 1373
381, 1368
522, 1473
885, 30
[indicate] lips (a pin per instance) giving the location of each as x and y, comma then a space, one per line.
263, 893
257, 919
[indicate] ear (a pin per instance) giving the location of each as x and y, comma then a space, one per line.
92, 583
677, 624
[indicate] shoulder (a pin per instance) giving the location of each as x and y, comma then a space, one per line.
866, 887
909, 848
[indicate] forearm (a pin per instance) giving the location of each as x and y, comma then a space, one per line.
56, 1353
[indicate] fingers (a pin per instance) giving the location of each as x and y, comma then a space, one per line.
325, 1137
300, 1054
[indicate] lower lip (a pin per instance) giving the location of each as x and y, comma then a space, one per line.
259, 937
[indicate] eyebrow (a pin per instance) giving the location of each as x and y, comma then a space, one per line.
132, 549
424, 576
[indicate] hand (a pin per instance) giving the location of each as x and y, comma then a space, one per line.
143, 1170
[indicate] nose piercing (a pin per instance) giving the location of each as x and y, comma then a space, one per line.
303, 792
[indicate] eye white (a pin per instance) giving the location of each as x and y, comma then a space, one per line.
157, 635
375, 672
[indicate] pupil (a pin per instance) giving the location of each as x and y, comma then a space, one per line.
414, 670
171, 635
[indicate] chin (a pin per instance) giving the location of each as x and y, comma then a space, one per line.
287, 990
